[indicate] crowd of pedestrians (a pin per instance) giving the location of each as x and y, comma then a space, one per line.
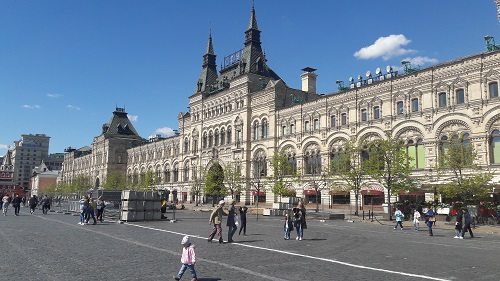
89, 208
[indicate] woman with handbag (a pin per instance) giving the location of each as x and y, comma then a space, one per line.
429, 220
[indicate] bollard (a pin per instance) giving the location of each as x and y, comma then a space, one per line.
363, 215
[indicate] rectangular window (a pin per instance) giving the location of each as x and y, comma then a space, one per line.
420, 156
414, 105
400, 107
376, 112
333, 121
460, 96
306, 126
344, 118
442, 99
364, 117
411, 153
284, 130
316, 124
493, 90
292, 128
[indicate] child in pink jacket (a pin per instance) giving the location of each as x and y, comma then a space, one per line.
188, 259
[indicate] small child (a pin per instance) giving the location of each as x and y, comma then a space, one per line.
288, 227
188, 259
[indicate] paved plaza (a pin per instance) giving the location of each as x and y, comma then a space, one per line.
55, 247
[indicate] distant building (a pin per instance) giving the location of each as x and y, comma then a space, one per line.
29, 151
108, 152
42, 178
7, 184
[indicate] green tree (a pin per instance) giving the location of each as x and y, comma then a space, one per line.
284, 174
233, 179
468, 183
79, 184
346, 167
198, 182
214, 182
148, 182
115, 180
386, 161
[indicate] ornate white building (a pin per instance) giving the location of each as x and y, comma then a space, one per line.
243, 113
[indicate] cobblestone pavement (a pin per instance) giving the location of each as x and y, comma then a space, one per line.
55, 247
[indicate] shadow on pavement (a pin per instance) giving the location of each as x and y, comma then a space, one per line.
208, 279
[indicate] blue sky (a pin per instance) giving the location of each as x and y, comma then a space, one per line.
66, 64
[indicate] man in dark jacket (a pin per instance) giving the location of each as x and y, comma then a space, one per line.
16, 203
243, 220
467, 223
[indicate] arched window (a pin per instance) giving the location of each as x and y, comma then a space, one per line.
306, 126
210, 139
333, 121
292, 128
256, 130
229, 140
442, 99
493, 89
415, 152
176, 174
216, 139
259, 165
292, 162
167, 175
313, 162
283, 130
444, 146
495, 147
186, 145
316, 124
205, 140
460, 96
336, 155
343, 119
264, 129
186, 172
222, 136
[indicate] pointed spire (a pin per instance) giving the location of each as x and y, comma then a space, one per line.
253, 20
210, 47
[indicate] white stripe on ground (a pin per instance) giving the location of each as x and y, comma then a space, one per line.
228, 266
304, 256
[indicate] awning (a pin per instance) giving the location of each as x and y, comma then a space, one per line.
310, 192
343, 193
372, 192
261, 193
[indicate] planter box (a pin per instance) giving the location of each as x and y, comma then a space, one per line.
128, 216
129, 195
129, 205
149, 215
267, 212
139, 216
157, 216
149, 206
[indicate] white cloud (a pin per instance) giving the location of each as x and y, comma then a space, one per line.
133, 118
166, 131
28, 106
54, 95
72, 107
386, 48
4, 146
421, 61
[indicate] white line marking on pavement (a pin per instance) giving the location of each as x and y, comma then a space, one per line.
304, 256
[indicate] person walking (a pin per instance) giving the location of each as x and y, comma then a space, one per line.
416, 219
299, 217
467, 223
100, 208
429, 220
33, 203
188, 259
231, 221
459, 225
5, 204
16, 203
83, 209
243, 220
90, 211
216, 219
45, 205
399, 219
288, 226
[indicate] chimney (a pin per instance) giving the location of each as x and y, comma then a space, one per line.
309, 80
